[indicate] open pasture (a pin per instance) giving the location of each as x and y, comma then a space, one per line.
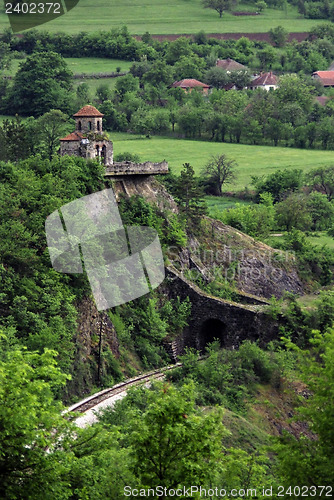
168, 17
251, 160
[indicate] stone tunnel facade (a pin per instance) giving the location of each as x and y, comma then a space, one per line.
212, 318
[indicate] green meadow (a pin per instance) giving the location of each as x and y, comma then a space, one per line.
91, 65
167, 16
251, 160
94, 84
87, 65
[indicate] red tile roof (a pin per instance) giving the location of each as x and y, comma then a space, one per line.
264, 79
74, 136
89, 111
230, 65
326, 77
190, 83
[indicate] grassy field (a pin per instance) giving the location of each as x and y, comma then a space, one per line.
319, 238
167, 16
88, 65
251, 160
95, 65
221, 203
94, 83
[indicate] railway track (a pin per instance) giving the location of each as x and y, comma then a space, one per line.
94, 400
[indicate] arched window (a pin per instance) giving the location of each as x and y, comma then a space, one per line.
79, 125
97, 150
90, 125
98, 125
104, 153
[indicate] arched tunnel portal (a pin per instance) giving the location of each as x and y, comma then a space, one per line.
210, 330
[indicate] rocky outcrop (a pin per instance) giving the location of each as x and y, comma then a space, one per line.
88, 365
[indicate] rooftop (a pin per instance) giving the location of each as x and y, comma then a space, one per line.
326, 77
230, 65
265, 79
88, 111
74, 136
189, 83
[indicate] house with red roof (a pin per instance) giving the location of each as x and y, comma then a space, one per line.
326, 78
265, 81
188, 84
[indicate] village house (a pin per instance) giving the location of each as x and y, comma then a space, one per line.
189, 84
265, 81
326, 78
230, 65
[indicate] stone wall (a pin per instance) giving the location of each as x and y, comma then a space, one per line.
131, 168
212, 317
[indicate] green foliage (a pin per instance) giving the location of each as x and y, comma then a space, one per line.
36, 300
173, 443
31, 423
43, 82
227, 377
255, 220
279, 183
278, 36
189, 196
293, 212
308, 460
144, 325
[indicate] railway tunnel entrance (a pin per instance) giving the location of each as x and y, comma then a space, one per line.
212, 329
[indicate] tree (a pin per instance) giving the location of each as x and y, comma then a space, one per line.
50, 127
43, 82
293, 212
18, 138
189, 195
217, 77
30, 425
278, 36
279, 184
321, 210
308, 460
172, 443
322, 179
218, 171
218, 5
260, 5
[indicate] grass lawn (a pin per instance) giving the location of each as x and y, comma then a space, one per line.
88, 65
94, 83
96, 65
167, 16
319, 238
221, 203
251, 160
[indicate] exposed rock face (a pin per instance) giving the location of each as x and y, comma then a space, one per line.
91, 325
147, 187
222, 252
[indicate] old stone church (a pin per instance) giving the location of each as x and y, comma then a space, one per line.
88, 140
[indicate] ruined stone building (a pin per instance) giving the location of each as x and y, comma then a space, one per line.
90, 142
